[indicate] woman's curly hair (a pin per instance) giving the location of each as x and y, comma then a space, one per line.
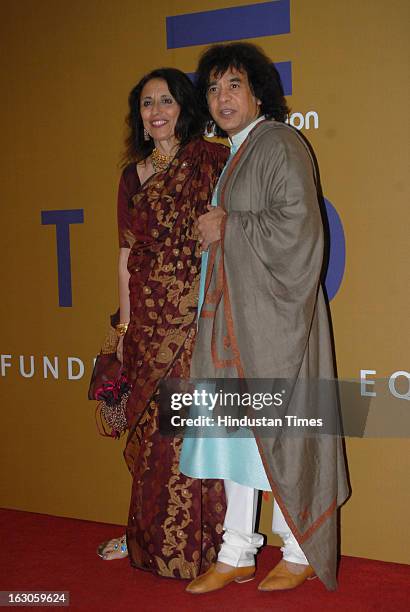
190, 124
264, 79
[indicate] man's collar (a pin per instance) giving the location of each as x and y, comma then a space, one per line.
236, 140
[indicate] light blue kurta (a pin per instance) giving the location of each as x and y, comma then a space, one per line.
235, 456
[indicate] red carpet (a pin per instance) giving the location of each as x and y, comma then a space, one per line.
40, 552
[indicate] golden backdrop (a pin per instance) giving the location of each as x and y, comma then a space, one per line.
67, 69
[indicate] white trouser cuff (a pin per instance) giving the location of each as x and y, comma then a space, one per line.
240, 543
239, 549
291, 550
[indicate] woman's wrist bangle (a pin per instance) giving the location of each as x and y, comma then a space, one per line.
121, 328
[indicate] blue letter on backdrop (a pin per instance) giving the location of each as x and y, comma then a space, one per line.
234, 23
337, 256
62, 219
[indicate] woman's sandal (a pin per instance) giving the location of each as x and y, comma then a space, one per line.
113, 549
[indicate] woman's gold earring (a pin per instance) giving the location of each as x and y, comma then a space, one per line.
146, 135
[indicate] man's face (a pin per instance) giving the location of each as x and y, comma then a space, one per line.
231, 101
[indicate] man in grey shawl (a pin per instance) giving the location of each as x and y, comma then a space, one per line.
263, 316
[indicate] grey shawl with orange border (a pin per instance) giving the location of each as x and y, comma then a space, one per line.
265, 316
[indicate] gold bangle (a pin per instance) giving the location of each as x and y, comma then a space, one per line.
121, 328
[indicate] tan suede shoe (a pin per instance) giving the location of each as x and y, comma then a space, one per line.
213, 580
280, 578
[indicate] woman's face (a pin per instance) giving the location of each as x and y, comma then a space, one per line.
159, 111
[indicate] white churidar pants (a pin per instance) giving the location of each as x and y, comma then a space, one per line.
240, 542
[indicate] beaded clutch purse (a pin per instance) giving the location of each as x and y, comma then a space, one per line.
109, 386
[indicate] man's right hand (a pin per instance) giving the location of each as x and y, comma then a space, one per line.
209, 226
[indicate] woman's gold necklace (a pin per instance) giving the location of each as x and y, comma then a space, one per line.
160, 161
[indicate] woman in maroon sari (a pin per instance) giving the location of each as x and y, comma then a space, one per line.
175, 523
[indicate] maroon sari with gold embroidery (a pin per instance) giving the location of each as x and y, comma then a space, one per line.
175, 522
